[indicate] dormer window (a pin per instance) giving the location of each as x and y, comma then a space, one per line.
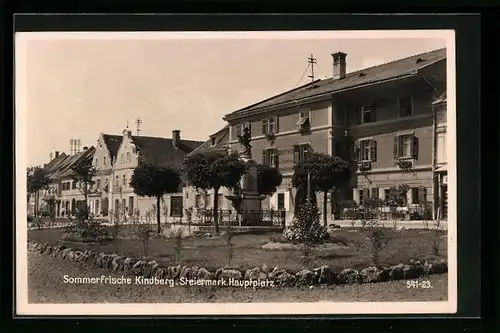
212, 141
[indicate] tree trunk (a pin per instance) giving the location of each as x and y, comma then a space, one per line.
216, 209
325, 208
35, 204
158, 202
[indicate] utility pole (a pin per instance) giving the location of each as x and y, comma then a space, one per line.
312, 62
138, 122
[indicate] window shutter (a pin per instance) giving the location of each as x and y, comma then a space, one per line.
264, 157
374, 151
276, 158
356, 151
414, 152
395, 147
296, 152
421, 194
264, 126
276, 124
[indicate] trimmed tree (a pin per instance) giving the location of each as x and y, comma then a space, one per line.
268, 179
82, 173
151, 180
327, 173
36, 180
206, 171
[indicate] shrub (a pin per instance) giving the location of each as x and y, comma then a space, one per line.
379, 237
306, 227
437, 231
84, 228
142, 229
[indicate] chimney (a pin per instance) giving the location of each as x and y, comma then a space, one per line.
85, 148
57, 154
176, 138
339, 65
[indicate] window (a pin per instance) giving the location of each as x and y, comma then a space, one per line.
415, 195
124, 181
98, 184
418, 195
304, 119
220, 200
441, 147
281, 201
208, 200
176, 206
73, 187
124, 206
198, 202
270, 157
239, 129
366, 150
375, 193
104, 161
116, 181
129, 157
367, 114
96, 162
405, 106
212, 141
387, 193
300, 151
270, 125
363, 195
405, 146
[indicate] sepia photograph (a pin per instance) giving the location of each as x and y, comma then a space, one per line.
235, 173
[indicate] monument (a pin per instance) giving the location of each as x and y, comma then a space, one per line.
246, 200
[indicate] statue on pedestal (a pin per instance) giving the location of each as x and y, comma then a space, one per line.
244, 140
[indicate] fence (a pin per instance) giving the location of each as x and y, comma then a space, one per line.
243, 218
412, 212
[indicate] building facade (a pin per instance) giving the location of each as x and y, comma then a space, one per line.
376, 118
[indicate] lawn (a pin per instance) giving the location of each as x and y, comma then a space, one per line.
350, 249
45, 285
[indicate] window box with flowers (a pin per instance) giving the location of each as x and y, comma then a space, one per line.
271, 136
365, 154
405, 149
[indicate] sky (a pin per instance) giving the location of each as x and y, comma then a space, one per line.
73, 87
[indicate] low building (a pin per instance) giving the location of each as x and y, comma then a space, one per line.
133, 151
71, 196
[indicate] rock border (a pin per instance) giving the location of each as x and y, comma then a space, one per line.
281, 277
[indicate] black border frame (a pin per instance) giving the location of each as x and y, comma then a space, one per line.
467, 29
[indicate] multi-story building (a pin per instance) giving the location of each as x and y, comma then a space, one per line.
70, 195
133, 151
104, 159
217, 142
375, 117
441, 167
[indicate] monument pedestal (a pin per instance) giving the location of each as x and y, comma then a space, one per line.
250, 205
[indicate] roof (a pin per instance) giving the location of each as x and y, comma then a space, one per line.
162, 151
394, 69
55, 164
113, 143
66, 171
440, 100
221, 138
